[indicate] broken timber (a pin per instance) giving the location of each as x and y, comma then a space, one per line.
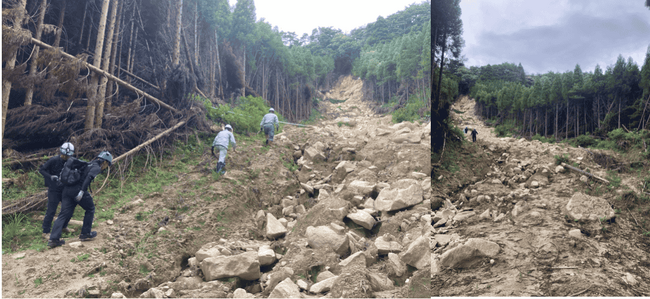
137, 148
585, 173
104, 73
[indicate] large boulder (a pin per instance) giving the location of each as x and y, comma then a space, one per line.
245, 266
395, 199
418, 253
362, 218
324, 236
582, 207
380, 282
286, 289
314, 155
397, 263
274, 229
410, 138
361, 187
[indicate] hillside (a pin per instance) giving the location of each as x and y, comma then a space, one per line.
346, 199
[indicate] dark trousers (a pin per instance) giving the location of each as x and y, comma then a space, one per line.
53, 200
268, 131
68, 205
473, 138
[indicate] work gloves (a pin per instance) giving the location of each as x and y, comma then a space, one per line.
79, 195
54, 178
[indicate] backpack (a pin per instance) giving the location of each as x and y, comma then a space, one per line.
72, 171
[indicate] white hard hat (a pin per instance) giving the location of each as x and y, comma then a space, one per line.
271, 110
228, 127
67, 149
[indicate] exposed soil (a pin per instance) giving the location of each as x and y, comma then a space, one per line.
537, 256
148, 243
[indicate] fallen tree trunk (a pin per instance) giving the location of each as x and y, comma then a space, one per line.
25, 160
141, 80
585, 173
117, 80
137, 148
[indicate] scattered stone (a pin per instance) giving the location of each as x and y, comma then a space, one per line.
287, 211
585, 207
630, 279
466, 255
395, 199
362, 187
19, 255
241, 293
303, 285
266, 255
245, 266
153, 293
208, 250
357, 258
362, 218
463, 215
418, 253
418, 175
284, 222
486, 215
575, 233
559, 169
77, 244
274, 229
534, 184
386, 244
487, 248
300, 209
324, 275
324, 236
307, 188
398, 265
109, 222
117, 295
324, 285
286, 289
380, 282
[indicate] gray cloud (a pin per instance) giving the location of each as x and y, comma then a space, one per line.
577, 38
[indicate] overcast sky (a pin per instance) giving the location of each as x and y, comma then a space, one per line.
554, 35
301, 16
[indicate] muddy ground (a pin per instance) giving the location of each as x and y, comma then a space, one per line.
505, 229
148, 248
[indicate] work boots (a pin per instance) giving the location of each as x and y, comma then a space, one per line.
220, 166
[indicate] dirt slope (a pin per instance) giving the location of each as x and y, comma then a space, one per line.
149, 247
526, 242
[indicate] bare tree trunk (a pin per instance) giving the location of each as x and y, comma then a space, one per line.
111, 67
11, 63
577, 121
59, 26
33, 65
196, 33
90, 32
176, 58
92, 96
135, 45
277, 90
128, 56
243, 91
216, 44
619, 112
567, 120
83, 24
106, 61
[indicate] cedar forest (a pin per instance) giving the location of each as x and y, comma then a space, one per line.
110, 74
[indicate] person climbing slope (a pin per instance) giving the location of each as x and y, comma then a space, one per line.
50, 172
77, 194
268, 121
222, 141
474, 135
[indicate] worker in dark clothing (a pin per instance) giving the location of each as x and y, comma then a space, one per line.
50, 172
474, 135
78, 195
465, 130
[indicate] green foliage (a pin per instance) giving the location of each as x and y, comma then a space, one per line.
614, 180
584, 141
244, 116
30, 182
414, 109
505, 129
561, 159
333, 101
543, 139
80, 258
38, 281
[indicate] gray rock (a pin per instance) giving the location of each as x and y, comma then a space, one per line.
266, 255
286, 289
324, 236
575, 233
245, 266
313, 154
117, 295
153, 293
274, 229
208, 250
465, 255
357, 258
487, 248
300, 209
395, 199
278, 276
324, 275
362, 187
418, 253
241, 293
584, 207
303, 285
396, 262
324, 285
464, 215
307, 188
380, 282
362, 218
386, 244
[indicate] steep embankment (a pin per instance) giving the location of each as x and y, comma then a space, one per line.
532, 228
346, 199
